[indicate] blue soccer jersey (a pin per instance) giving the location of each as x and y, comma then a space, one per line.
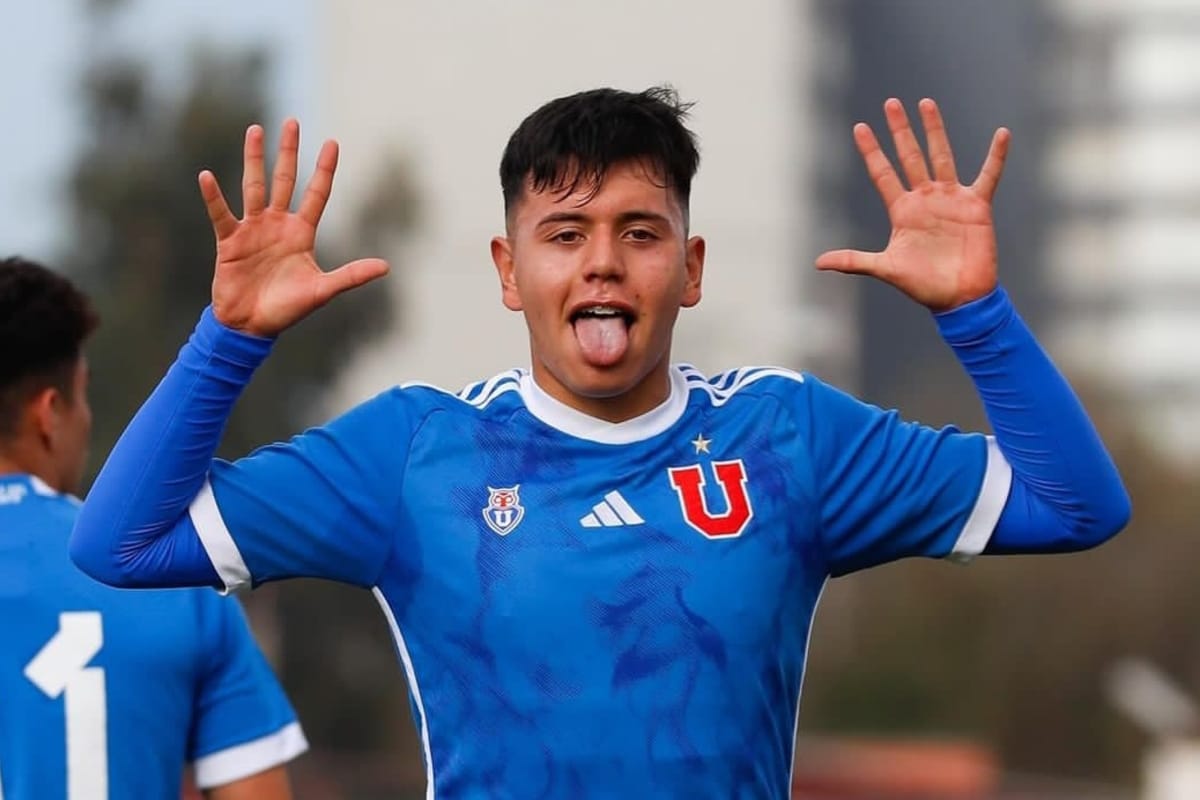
109, 694
592, 609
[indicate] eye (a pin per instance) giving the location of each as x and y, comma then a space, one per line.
567, 237
641, 234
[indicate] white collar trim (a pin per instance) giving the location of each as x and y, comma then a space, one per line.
36, 485
561, 417
41, 487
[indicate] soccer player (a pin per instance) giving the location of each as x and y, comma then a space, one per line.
601, 572
105, 693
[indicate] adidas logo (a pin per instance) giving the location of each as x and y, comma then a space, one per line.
611, 512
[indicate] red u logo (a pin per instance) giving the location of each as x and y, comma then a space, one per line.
689, 485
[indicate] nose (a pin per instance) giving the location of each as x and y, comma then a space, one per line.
603, 260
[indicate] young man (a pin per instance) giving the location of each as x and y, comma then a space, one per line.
106, 693
601, 573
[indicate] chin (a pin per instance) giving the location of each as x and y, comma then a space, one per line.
598, 387
605, 383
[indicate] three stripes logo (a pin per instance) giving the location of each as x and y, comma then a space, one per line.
611, 512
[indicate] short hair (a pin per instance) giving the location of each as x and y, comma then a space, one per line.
571, 142
44, 321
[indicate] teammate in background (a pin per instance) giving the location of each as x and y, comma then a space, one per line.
601, 572
105, 693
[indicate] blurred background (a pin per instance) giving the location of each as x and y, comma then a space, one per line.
1037, 678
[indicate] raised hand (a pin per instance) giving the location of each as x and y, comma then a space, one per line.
267, 277
942, 251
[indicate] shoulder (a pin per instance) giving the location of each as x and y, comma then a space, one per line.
801, 397
478, 395
220, 619
406, 406
744, 383
34, 498
500, 393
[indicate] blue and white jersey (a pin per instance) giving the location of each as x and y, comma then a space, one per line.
107, 693
590, 609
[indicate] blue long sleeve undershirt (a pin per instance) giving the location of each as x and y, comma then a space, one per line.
1066, 492
134, 529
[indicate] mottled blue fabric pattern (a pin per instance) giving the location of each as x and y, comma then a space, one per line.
575, 620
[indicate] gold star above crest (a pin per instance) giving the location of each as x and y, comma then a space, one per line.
701, 444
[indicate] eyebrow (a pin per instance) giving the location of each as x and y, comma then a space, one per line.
624, 218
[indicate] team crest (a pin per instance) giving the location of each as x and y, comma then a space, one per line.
504, 510
688, 483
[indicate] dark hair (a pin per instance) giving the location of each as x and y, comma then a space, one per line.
573, 141
44, 320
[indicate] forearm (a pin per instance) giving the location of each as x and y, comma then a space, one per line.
133, 529
271, 784
1067, 493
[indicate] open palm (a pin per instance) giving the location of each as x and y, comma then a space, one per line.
267, 277
942, 251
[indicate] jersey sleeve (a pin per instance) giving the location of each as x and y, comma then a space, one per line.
888, 488
323, 505
243, 723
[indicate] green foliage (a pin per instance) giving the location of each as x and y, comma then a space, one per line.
144, 248
141, 244
1014, 652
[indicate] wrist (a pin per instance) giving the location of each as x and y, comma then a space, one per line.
240, 347
976, 319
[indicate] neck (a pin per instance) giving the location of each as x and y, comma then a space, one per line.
16, 461
646, 395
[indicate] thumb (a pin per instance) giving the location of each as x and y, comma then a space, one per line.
350, 276
854, 262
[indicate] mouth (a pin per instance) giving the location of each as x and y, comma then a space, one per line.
602, 331
603, 312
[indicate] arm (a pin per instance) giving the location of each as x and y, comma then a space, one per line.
1066, 493
270, 784
244, 730
134, 529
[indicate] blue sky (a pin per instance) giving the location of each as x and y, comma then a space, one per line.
45, 47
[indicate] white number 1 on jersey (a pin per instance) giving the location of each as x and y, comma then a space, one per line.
60, 668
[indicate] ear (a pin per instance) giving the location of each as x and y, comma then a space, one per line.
695, 271
43, 413
506, 268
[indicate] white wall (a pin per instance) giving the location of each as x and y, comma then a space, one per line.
446, 83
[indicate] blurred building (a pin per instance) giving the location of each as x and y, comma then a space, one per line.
443, 85
1096, 216
1124, 179
981, 61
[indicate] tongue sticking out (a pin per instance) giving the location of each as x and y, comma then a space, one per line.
602, 339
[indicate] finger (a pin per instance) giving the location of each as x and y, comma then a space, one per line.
854, 262
989, 175
283, 180
941, 157
350, 276
223, 221
254, 187
316, 194
912, 160
879, 168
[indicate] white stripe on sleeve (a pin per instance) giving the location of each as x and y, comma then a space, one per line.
993, 494
218, 543
243, 760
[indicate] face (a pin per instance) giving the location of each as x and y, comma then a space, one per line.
601, 277
72, 430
